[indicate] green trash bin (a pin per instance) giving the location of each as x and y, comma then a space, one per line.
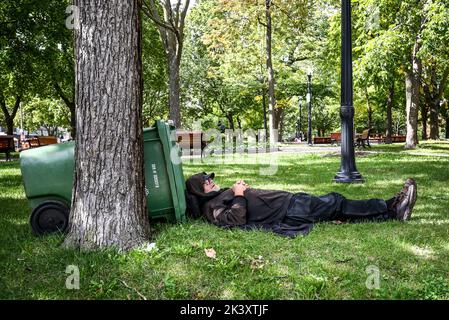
48, 178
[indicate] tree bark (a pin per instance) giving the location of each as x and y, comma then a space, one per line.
434, 120
9, 117
369, 109
277, 119
412, 85
390, 101
230, 118
424, 118
412, 106
108, 199
447, 128
239, 123
264, 106
174, 62
446, 117
434, 96
271, 97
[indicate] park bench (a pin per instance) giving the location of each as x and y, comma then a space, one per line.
7, 145
362, 140
38, 142
191, 140
398, 138
379, 139
322, 140
336, 138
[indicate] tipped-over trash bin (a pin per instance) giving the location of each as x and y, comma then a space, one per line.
48, 178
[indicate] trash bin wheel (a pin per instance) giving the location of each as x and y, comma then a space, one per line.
50, 217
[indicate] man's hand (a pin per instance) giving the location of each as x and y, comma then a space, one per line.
239, 188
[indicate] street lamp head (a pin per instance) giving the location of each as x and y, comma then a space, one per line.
309, 72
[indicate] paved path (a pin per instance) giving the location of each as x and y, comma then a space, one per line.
307, 149
318, 149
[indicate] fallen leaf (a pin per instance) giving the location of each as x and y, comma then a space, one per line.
257, 263
210, 253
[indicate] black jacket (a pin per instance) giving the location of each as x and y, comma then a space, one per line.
256, 208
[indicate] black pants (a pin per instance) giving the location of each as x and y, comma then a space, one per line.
305, 208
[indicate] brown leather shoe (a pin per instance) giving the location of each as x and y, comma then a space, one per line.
405, 200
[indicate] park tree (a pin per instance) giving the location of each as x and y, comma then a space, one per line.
270, 71
56, 55
36, 55
169, 17
108, 199
400, 39
154, 67
435, 58
20, 74
377, 58
209, 82
47, 113
237, 38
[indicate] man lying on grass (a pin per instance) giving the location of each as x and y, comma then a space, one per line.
286, 213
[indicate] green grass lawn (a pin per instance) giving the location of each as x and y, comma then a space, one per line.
424, 147
330, 263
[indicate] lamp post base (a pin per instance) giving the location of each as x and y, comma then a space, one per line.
348, 177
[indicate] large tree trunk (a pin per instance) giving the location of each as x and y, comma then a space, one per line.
271, 97
9, 125
430, 109
412, 94
436, 97
264, 106
446, 118
412, 105
433, 96
424, 118
10, 116
390, 101
108, 198
434, 120
279, 122
447, 128
174, 84
72, 121
230, 118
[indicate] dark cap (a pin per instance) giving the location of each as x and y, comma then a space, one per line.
195, 183
209, 176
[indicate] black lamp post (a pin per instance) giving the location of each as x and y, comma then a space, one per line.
299, 134
309, 101
348, 172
